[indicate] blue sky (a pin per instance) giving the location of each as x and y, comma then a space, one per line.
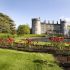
22, 11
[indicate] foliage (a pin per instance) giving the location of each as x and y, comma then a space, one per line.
56, 39
33, 35
23, 36
16, 60
6, 35
6, 39
6, 42
6, 24
57, 42
56, 35
23, 29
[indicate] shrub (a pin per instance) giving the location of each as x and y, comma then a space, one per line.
57, 42
56, 39
6, 42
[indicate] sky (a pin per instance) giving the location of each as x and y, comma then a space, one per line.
22, 11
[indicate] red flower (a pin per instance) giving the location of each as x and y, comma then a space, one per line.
1, 40
10, 40
56, 39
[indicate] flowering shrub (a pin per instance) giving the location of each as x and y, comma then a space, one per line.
10, 40
28, 42
5, 42
57, 42
56, 39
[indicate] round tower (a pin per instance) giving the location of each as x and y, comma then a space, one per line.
66, 27
36, 26
62, 27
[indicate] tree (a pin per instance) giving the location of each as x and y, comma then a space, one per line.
6, 24
30, 30
23, 29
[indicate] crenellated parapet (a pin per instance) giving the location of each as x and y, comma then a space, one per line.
39, 27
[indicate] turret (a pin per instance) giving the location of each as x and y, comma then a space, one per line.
57, 22
36, 26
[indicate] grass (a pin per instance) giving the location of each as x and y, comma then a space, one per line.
41, 43
32, 35
16, 60
17, 37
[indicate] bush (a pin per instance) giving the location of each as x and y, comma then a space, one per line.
23, 29
6, 40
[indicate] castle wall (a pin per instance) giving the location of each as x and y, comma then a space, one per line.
43, 28
39, 27
50, 28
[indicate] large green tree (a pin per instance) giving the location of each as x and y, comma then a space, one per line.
23, 29
6, 24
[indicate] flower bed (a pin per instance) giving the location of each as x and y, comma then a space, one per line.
6, 42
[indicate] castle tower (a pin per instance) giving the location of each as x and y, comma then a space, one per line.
62, 23
36, 26
66, 27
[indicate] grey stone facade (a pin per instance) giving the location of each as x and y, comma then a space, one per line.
39, 27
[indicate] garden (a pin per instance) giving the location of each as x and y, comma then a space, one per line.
21, 50
26, 43
55, 46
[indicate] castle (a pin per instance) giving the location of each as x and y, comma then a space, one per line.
38, 27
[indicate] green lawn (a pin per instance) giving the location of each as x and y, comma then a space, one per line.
16, 60
18, 37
